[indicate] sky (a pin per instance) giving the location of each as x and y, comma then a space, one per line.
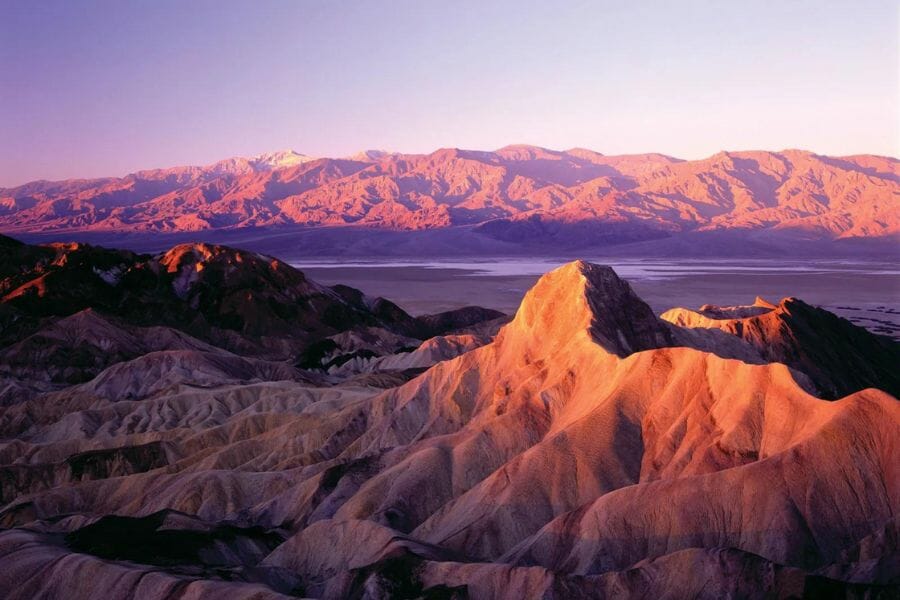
103, 88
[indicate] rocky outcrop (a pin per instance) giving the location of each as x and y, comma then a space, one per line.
239, 300
583, 297
68, 311
838, 356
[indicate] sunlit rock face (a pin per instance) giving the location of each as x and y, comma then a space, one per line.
838, 356
589, 449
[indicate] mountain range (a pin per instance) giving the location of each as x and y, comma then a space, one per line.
516, 196
209, 422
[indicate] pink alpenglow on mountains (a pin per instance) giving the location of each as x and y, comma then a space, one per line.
508, 194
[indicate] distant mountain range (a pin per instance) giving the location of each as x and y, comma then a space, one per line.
518, 194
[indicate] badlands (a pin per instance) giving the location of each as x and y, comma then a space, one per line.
208, 422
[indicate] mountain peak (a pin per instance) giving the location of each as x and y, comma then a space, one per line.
236, 264
579, 152
762, 302
525, 152
582, 298
448, 154
371, 155
197, 252
279, 160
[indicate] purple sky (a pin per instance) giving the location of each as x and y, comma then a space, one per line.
105, 88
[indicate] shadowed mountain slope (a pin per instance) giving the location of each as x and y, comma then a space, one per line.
68, 311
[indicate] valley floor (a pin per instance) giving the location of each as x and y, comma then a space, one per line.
864, 292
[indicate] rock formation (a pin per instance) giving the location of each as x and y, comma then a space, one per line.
68, 311
839, 357
590, 449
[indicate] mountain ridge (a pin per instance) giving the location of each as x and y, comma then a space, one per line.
518, 193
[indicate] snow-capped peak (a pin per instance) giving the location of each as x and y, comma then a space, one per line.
279, 160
